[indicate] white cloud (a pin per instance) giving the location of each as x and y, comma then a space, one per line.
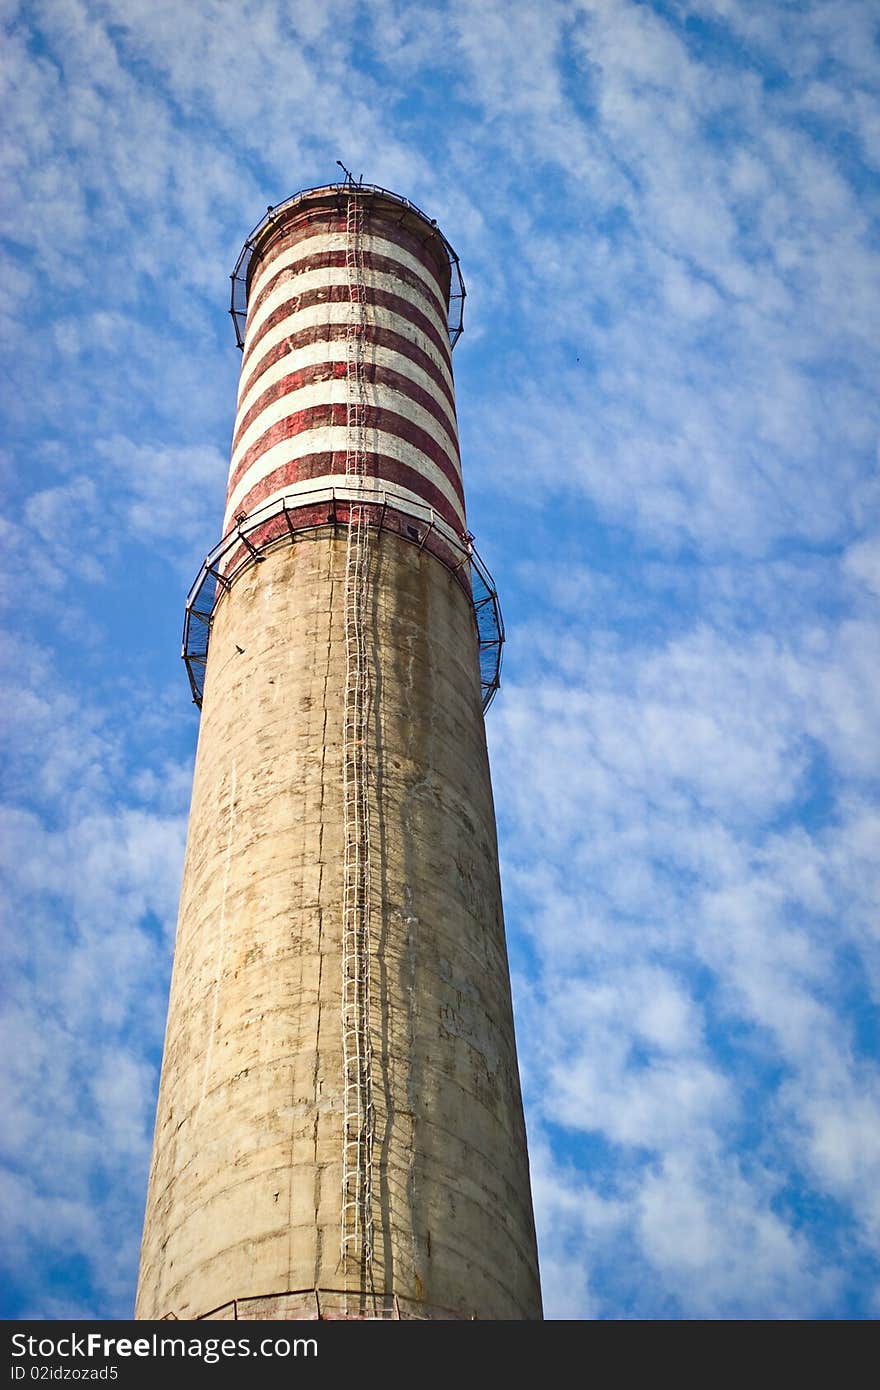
863, 562
691, 933
90, 894
722, 1248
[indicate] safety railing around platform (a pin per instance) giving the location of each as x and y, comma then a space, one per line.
250, 539
329, 1305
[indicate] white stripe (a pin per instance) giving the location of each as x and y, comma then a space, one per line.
318, 314
334, 437
336, 241
347, 488
310, 281
335, 392
313, 354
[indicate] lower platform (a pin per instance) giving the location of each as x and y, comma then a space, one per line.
329, 1305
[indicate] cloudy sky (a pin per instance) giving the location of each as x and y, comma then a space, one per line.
666, 212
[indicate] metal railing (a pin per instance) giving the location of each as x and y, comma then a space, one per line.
239, 277
238, 550
320, 1305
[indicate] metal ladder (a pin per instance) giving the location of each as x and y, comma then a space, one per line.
357, 1153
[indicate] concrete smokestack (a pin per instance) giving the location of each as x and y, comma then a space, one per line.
339, 1129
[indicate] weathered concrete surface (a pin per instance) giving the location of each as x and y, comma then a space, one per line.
245, 1184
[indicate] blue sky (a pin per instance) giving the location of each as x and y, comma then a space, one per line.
667, 220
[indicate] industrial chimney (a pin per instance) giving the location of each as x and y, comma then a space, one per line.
339, 1129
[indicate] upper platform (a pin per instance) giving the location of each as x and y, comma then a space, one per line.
406, 213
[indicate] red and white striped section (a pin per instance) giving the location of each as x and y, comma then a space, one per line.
291, 433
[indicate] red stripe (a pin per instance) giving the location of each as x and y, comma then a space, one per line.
378, 466
339, 294
304, 223
324, 260
336, 371
332, 413
336, 332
